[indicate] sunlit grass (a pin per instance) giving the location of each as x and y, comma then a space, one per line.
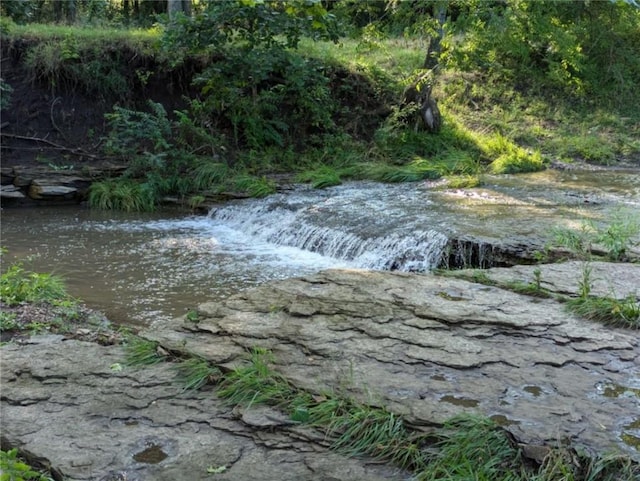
39, 31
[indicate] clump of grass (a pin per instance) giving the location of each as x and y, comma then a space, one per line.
256, 383
565, 464
608, 310
321, 177
364, 430
142, 352
413, 172
122, 194
254, 186
473, 447
194, 373
207, 174
617, 237
463, 181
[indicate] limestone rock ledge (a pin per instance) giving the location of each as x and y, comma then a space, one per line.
424, 346
429, 347
51, 185
68, 403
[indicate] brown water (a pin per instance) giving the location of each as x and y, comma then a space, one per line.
141, 268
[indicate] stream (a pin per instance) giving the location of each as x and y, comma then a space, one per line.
139, 268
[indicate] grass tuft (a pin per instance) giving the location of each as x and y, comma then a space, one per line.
608, 310
254, 186
142, 352
475, 448
122, 194
194, 373
256, 383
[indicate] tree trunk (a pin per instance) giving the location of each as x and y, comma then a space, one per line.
419, 94
173, 7
431, 60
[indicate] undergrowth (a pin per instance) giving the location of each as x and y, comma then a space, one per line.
18, 285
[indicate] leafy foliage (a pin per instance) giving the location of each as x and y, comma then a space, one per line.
555, 44
12, 468
20, 285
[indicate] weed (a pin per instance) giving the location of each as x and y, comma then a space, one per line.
320, 178
19, 285
254, 186
473, 447
122, 194
463, 181
256, 383
209, 174
141, 352
617, 237
195, 201
608, 310
194, 373
13, 468
193, 316
8, 321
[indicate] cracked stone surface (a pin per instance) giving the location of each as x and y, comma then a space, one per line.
67, 403
618, 280
424, 346
429, 347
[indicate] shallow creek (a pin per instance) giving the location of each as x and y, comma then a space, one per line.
140, 268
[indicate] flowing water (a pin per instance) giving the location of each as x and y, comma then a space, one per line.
139, 268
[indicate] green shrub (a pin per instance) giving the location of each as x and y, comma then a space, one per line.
12, 468
132, 131
18, 285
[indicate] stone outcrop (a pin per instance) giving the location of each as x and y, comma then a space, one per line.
69, 404
429, 347
424, 346
51, 185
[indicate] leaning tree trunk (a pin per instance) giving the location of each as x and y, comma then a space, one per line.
419, 94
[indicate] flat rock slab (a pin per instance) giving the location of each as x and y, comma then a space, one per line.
69, 402
617, 280
429, 347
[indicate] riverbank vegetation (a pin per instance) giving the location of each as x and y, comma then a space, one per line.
226, 97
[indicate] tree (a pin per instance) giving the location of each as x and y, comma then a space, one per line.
178, 6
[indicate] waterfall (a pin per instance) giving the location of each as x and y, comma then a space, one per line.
365, 236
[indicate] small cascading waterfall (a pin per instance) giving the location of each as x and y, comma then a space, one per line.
347, 234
